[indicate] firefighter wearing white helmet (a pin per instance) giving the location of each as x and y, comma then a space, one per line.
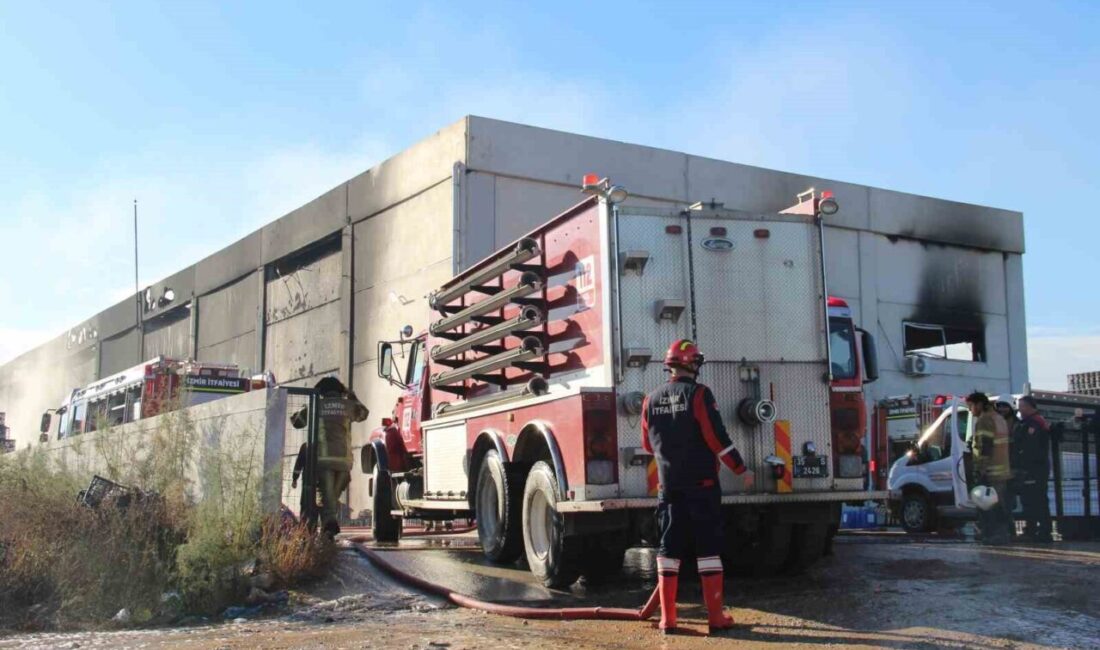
991, 469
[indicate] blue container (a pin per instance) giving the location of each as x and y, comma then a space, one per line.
856, 517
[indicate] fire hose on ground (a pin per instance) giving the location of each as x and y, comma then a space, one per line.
462, 600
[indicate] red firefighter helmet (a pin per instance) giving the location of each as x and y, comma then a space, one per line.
683, 353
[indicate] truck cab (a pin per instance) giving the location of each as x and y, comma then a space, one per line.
853, 363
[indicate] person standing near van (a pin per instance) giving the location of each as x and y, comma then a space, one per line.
1032, 439
990, 446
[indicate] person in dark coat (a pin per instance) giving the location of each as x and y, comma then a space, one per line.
1032, 441
683, 430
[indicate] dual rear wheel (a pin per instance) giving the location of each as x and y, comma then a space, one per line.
517, 514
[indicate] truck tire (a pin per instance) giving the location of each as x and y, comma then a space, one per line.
808, 545
384, 526
552, 557
917, 514
499, 510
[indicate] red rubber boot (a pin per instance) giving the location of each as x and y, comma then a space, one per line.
668, 581
712, 596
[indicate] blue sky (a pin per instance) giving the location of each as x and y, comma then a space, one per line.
219, 119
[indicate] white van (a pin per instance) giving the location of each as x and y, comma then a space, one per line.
928, 484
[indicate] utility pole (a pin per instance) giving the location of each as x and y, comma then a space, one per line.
137, 294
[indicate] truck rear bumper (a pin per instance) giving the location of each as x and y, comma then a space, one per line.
603, 505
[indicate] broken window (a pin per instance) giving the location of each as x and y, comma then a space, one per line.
945, 342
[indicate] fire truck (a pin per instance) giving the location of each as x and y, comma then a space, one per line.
521, 404
148, 389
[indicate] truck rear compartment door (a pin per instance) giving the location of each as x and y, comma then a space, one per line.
758, 301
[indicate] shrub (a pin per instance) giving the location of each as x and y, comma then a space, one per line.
63, 564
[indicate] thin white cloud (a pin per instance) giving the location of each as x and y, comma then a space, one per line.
1051, 358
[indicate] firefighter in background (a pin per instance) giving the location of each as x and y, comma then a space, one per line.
337, 408
1031, 449
990, 448
681, 427
307, 511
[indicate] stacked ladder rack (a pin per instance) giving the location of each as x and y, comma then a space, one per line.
491, 320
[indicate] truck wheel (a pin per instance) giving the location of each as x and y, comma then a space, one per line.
808, 544
917, 515
383, 525
552, 557
499, 510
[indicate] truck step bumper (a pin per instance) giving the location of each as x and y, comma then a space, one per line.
603, 505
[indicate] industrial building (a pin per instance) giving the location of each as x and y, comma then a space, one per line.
938, 283
1084, 383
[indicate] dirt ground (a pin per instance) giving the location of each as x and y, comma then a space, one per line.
878, 590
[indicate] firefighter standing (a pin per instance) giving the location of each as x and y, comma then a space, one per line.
337, 408
307, 510
1031, 446
681, 427
991, 466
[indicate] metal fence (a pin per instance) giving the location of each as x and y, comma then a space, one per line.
1074, 478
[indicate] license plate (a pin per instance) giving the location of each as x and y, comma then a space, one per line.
810, 466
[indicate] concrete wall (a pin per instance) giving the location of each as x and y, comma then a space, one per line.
311, 293
243, 429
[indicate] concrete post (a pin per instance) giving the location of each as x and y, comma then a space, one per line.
261, 321
193, 344
347, 305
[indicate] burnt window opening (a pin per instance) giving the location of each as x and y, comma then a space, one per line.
304, 257
945, 342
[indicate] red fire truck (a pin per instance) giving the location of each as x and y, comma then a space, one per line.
521, 405
146, 390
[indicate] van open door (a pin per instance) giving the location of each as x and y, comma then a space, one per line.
960, 422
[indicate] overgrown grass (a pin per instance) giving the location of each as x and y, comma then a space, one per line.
63, 564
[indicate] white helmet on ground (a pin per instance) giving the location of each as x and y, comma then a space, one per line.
984, 497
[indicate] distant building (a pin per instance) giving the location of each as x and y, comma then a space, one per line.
1085, 383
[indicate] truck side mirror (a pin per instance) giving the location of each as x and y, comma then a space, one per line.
44, 427
385, 361
870, 356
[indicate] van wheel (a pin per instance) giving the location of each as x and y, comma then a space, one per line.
917, 515
499, 510
553, 558
808, 544
384, 526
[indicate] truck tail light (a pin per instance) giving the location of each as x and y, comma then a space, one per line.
601, 445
